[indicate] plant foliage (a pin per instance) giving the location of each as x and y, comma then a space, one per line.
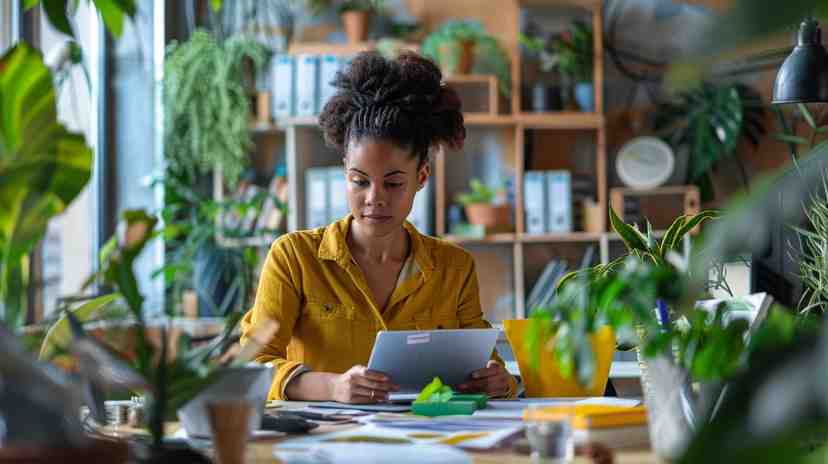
43, 167
478, 193
710, 120
489, 57
206, 105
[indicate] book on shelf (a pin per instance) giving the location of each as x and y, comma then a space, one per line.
543, 291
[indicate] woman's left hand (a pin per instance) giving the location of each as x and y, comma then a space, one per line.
492, 380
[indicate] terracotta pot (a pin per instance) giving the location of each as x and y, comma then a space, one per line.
356, 25
465, 59
489, 216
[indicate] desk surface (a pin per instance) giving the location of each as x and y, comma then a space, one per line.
262, 451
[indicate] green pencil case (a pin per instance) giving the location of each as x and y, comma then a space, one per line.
479, 398
450, 408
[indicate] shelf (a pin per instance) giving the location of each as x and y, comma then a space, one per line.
471, 119
340, 49
492, 238
561, 120
561, 3
656, 234
668, 190
561, 237
481, 119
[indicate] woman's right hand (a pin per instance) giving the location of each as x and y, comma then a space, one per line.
361, 385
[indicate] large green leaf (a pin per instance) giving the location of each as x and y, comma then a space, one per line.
43, 166
631, 236
59, 335
112, 12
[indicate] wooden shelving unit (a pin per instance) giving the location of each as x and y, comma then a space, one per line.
506, 263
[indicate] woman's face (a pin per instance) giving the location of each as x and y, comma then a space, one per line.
382, 180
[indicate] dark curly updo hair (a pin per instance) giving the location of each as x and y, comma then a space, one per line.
403, 101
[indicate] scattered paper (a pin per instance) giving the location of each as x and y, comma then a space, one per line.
368, 453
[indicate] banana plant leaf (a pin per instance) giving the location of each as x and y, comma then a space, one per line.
43, 167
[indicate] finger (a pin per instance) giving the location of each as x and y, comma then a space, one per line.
373, 385
369, 395
376, 375
473, 386
485, 372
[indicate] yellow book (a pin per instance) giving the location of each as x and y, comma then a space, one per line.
591, 416
617, 427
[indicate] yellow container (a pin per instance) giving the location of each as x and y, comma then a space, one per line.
546, 380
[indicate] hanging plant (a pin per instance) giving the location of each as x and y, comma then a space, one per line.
206, 107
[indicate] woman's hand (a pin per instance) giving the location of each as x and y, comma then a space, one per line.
360, 385
492, 380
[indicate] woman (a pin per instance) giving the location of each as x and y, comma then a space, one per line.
332, 289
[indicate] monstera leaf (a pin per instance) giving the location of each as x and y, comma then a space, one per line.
710, 120
43, 167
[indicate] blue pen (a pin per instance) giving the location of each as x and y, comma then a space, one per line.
661, 313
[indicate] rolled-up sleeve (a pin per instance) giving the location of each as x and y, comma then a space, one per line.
278, 298
470, 315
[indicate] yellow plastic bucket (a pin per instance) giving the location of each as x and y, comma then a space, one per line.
546, 380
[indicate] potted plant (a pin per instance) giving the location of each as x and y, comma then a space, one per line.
463, 46
355, 15
709, 121
482, 209
679, 345
574, 51
543, 98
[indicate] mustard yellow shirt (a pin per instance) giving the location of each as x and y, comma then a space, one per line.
327, 316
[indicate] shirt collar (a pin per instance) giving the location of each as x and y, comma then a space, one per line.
335, 247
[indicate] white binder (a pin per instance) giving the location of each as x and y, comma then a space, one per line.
534, 202
420, 215
316, 197
559, 201
282, 77
307, 84
328, 67
337, 199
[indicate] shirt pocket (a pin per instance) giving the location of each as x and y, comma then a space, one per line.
327, 327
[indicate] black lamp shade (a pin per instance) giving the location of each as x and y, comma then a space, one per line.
803, 77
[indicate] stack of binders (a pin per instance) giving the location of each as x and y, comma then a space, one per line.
302, 84
548, 202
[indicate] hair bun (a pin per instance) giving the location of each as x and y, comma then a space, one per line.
403, 100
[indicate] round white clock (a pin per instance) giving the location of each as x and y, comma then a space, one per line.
645, 162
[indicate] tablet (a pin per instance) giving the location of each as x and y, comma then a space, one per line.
412, 358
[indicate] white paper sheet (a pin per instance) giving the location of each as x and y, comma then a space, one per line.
367, 453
